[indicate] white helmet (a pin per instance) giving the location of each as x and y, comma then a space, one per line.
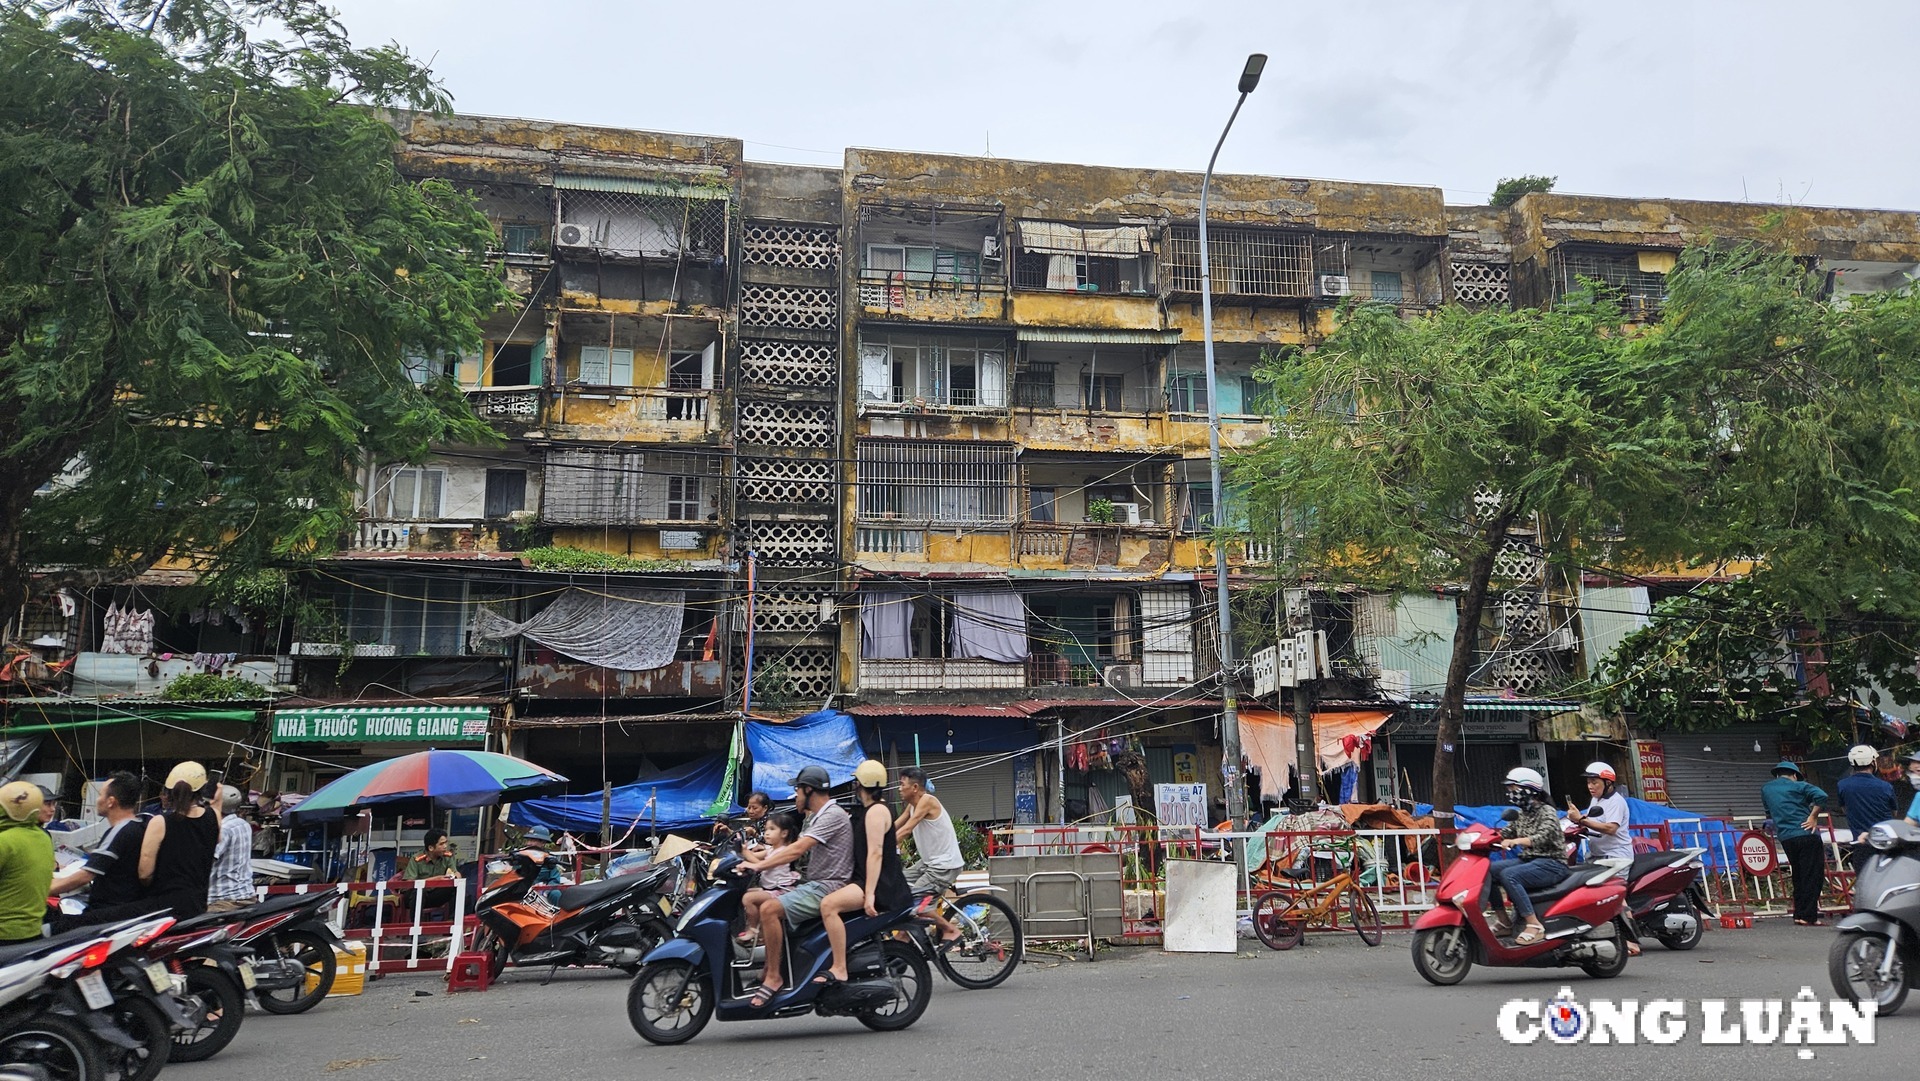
1862, 755
1600, 770
1529, 779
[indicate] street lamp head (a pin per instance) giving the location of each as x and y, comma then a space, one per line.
1250, 77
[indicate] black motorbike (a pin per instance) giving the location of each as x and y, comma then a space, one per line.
611, 922
1877, 953
702, 972
294, 960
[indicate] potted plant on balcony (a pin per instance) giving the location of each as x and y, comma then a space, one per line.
1100, 511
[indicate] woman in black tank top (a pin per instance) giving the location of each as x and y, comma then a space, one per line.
176, 855
879, 881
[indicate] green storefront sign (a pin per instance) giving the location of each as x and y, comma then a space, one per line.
377, 724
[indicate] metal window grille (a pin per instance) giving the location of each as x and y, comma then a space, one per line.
643, 224
615, 486
1245, 262
1617, 275
958, 483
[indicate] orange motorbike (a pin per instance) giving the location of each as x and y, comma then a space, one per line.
614, 922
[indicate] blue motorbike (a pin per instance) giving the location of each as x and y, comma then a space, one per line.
702, 972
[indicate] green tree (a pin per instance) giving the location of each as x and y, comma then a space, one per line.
1410, 450
1511, 188
213, 275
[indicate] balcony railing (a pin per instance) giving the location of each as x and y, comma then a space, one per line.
939, 673
1099, 398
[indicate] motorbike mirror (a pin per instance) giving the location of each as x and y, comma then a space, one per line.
1509, 814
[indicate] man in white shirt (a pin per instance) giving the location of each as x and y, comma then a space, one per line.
1606, 821
936, 846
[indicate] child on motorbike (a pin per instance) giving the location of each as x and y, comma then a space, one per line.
779, 828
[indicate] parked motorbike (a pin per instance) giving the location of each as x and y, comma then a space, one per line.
293, 946
213, 974
1583, 915
36, 1038
611, 922
1878, 949
129, 1003
699, 974
1666, 892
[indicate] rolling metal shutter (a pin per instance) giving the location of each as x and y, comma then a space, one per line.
976, 788
1719, 772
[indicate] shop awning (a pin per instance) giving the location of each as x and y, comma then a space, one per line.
629, 185
382, 724
32, 715
1267, 737
1067, 336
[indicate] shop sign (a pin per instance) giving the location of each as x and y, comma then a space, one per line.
1181, 804
1653, 770
1026, 789
1186, 764
382, 724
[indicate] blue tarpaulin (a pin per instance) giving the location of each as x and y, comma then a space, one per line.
681, 798
826, 739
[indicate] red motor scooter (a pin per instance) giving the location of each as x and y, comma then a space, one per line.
1666, 892
1583, 915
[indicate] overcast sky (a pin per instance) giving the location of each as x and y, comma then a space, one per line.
1745, 99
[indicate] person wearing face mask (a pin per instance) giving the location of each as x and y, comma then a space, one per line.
1913, 781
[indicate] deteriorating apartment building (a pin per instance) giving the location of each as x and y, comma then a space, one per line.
924, 437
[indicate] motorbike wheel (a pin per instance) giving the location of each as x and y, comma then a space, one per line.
1275, 921
141, 1020
1607, 970
990, 947
215, 1002
315, 954
496, 950
1853, 964
1685, 940
1365, 916
669, 1002
906, 968
1441, 955
55, 1047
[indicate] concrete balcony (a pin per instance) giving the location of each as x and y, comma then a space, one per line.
633, 414
679, 679
940, 674
900, 296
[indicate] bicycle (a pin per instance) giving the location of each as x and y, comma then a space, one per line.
1281, 916
991, 943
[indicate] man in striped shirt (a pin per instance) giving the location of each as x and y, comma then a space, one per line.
231, 886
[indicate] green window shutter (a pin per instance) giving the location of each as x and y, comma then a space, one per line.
538, 364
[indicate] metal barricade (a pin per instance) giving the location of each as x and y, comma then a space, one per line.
399, 937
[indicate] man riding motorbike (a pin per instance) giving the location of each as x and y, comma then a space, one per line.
827, 842
1537, 834
1606, 821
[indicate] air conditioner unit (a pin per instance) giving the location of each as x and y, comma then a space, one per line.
1561, 638
1126, 514
681, 540
573, 235
1335, 285
989, 247
1122, 675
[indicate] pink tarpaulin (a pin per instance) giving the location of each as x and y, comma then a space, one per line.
1267, 738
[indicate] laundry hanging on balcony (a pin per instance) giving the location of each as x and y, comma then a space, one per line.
990, 626
886, 626
632, 630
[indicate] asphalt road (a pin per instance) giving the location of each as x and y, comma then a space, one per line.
1329, 1010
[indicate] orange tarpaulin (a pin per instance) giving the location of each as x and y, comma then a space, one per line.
1267, 739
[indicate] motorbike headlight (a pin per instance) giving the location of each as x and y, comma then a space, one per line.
1882, 838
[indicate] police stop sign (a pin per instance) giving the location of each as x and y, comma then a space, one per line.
1756, 853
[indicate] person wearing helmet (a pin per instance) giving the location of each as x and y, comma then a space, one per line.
534, 844
1606, 817
232, 883
879, 881
1865, 797
827, 842
26, 863
1795, 806
176, 852
1536, 834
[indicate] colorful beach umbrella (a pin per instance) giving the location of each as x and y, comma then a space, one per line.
430, 779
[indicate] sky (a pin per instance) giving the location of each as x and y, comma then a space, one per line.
1743, 100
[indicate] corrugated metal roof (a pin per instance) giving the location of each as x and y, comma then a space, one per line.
1098, 337
1016, 709
635, 186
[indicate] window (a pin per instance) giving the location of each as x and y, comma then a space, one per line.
1256, 398
513, 365
1197, 515
683, 499
422, 369
520, 239
1040, 504
1104, 393
1187, 393
964, 483
1245, 262
916, 263
506, 492
691, 371
1033, 387
412, 493
416, 616
1082, 258
956, 370
1387, 286
604, 367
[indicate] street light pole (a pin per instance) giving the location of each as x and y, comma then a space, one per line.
1229, 710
